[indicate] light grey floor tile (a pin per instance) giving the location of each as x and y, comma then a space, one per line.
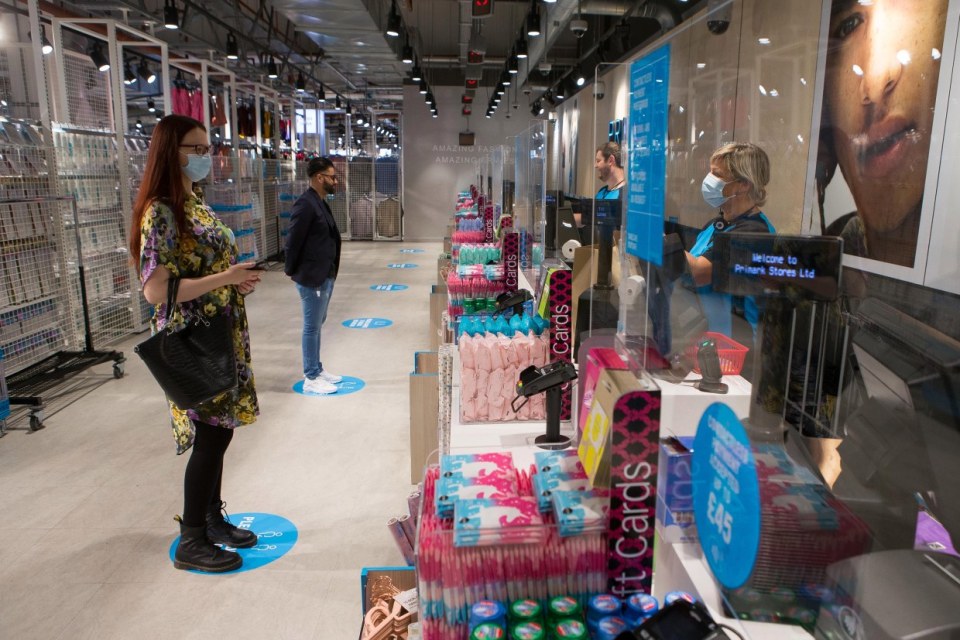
92, 496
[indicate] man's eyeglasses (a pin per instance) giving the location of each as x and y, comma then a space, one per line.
199, 149
332, 176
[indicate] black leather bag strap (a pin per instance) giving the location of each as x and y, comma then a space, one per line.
173, 286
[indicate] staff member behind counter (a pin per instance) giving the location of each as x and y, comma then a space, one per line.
736, 184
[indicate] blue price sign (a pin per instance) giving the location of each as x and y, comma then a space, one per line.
402, 265
367, 323
388, 287
275, 537
411, 250
726, 495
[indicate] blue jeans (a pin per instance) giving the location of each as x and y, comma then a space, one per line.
315, 301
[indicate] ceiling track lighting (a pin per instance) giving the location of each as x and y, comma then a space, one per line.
415, 74
98, 57
393, 22
143, 70
321, 94
513, 64
129, 77
338, 104
151, 106
272, 69
423, 87
522, 51
233, 49
301, 84
533, 24
407, 56
45, 47
431, 100
171, 15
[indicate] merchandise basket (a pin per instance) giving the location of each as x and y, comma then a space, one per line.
732, 353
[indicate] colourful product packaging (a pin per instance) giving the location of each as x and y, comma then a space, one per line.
544, 486
564, 607
488, 611
569, 629
528, 630
488, 631
609, 628
673, 596
602, 606
565, 461
597, 360
639, 607
522, 610
580, 512
473, 465
495, 521
675, 522
453, 488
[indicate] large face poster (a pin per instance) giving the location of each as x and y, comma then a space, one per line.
876, 168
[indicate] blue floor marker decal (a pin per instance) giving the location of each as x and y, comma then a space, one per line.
388, 287
275, 537
367, 323
411, 250
402, 265
345, 387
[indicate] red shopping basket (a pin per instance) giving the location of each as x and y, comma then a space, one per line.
732, 353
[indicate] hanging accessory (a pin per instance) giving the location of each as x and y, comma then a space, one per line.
195, 364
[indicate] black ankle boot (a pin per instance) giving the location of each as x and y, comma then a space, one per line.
219, 531
195, 551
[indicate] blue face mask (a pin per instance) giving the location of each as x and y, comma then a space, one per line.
198, 167
712, 190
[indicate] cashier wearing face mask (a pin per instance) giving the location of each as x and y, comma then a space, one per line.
736, 185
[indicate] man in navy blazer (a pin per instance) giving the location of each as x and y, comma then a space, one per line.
313, 259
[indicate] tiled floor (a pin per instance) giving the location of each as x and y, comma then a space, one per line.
87, 503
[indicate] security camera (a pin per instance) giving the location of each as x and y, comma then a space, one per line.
526, 90
578, 26
599, 90
718, 18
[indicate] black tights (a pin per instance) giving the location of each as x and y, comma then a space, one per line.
202, 479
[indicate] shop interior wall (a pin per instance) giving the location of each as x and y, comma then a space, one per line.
435, 166
716, 97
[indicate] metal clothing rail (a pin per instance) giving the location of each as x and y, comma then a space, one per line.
29, 386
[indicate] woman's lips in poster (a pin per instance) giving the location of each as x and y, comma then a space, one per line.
884, 146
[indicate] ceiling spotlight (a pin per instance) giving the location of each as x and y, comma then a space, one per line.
45, 47
489, 115
359, 120
579, 78
139, 124
151, 106
435, 115
301, 83
533, 24
143, 70
561, 91
129, 77
415, 74
431, 100
423, 87
171, 16
407, 57
321, 94
272, 69
99, 59
393, 22
338, 104
505, 79
522, 48
349, 109
513, 65
535, 108
233, 49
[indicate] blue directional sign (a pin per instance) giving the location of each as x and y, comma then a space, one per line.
402, 265
411, 250
345, 387
367, 323
275, 537
388, 287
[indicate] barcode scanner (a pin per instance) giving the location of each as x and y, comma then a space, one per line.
709, 361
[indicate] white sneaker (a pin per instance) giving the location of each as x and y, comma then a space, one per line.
318, 386
332, 378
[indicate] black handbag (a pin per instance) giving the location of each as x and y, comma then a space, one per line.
194, 364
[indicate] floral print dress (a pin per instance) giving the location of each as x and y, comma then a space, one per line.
207, 247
